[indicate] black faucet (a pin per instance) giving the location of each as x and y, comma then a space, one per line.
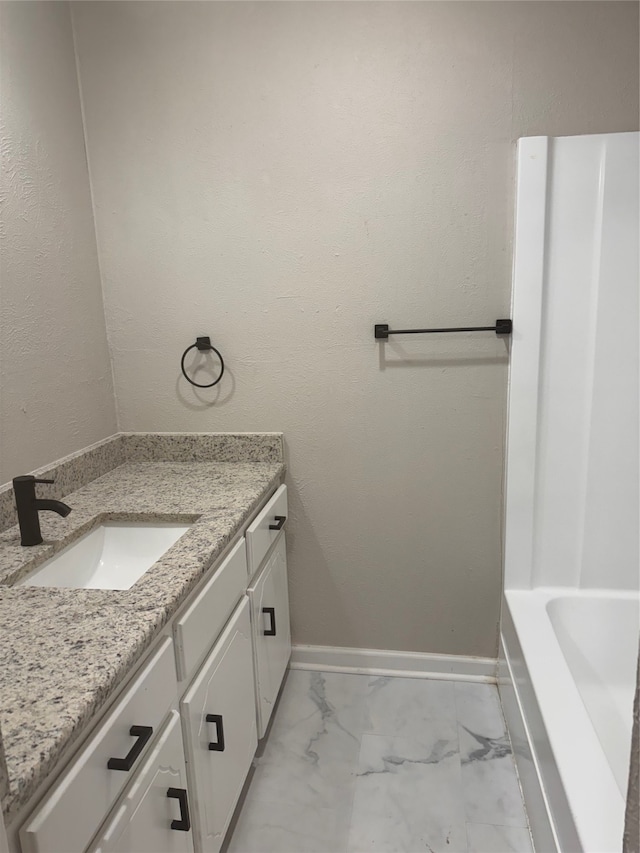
28, 505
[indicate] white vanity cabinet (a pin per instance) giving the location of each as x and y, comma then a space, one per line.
163, 769
219, 726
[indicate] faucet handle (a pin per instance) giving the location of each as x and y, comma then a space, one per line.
43, 481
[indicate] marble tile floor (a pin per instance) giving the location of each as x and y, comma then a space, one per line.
357, 763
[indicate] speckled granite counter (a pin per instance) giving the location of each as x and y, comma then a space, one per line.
63, 651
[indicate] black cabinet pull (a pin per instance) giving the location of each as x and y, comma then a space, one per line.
180, 794
280, 520
219, 745
271, 612
143, 733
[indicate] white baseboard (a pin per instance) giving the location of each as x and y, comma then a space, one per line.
381, 662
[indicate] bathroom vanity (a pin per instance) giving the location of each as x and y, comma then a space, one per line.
160, 763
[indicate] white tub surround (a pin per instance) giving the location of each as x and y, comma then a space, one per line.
571, 604
572, 454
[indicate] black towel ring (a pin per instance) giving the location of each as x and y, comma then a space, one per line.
202, 344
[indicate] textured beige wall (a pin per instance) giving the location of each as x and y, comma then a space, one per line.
56, 390
284, 175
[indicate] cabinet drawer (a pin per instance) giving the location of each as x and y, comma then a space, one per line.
68, 818
260, 535
196, 631
142, 822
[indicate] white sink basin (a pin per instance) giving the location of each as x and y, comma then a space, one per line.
111, 556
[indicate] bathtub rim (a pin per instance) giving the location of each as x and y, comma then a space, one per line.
534, 662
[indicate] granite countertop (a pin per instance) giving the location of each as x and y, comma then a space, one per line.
63, 652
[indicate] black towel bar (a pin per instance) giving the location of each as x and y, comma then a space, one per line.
502, 327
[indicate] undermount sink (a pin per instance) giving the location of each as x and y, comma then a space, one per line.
111, 556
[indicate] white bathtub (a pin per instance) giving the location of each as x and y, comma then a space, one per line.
572, 658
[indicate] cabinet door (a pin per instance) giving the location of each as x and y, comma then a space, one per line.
219, 725
152, 805
269, 597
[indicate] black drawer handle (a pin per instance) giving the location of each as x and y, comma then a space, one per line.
280, 520
143, 733
271, 612
180, 794
219, 745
